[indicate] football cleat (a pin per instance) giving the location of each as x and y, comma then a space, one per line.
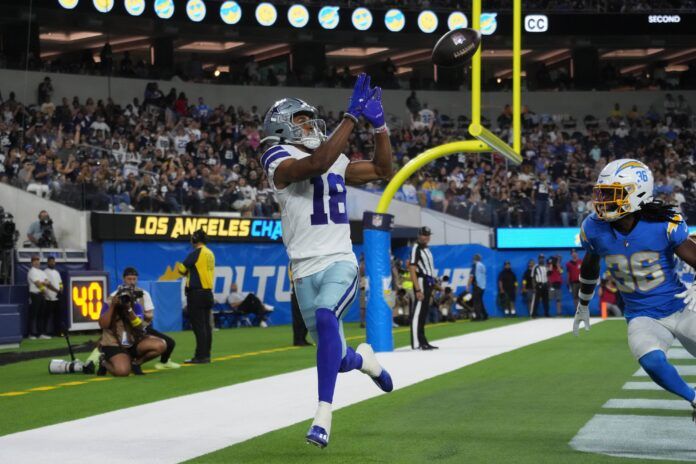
317, 436
371, 367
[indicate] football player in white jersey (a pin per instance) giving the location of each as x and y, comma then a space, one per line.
308, 173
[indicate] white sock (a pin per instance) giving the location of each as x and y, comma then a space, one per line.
323, 416
370, 364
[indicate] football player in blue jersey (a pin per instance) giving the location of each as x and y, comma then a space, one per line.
638, 237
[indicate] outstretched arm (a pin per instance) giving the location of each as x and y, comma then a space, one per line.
589, 276
380, 167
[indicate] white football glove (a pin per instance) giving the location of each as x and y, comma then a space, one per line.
582, 314
689, 297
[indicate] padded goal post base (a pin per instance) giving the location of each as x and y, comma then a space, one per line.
377, 242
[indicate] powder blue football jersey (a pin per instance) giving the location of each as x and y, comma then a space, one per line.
641, 262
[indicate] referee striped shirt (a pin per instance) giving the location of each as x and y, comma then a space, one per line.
540, 274
423, 260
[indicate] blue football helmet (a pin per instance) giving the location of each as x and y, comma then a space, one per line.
278, 125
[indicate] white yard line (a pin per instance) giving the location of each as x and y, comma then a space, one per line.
683, 370
679, 353
645, 386
644, 437
639, 403
185, 427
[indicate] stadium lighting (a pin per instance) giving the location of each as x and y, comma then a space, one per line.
164, 8
427, 21
362, 19
217, 73
329, 17
394, 20
68, 4
266, 14
298, 16
230, 12
134, 7
103, 6
457, 20
195, 10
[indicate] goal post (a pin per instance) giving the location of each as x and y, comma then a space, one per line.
377, 225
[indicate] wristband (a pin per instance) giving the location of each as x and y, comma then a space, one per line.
351, 117
136, 322
383, 129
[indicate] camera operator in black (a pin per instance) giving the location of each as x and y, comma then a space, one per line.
124, 342
130, 279
41, 232
199, 269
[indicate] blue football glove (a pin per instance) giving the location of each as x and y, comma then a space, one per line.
359, 98
373, 112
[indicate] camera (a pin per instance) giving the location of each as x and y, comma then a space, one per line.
60, 366
8, 230
128, 295
48, 237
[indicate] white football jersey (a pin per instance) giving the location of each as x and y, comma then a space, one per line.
314, 214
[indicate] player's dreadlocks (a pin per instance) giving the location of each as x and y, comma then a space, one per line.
658, 211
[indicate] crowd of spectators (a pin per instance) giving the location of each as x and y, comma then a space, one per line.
167, 153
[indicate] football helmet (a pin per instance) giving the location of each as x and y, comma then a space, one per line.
278, 125
622, 187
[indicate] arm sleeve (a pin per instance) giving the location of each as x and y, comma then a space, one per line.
585, 240
147, 301
191, 259
414, 256
677, 233
270, 160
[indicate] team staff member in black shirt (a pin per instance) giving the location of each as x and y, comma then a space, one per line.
199, 269
507, 289
423, 277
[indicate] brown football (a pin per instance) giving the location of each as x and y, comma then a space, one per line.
456, 47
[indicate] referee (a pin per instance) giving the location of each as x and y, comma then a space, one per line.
541, 287
422, 273
199, 267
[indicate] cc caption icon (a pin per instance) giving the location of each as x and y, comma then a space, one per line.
536, 23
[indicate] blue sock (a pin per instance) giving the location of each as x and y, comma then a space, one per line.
350, 361
665, 375
328, 353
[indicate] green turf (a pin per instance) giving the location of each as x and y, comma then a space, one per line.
40, 408
519, 407
56, 342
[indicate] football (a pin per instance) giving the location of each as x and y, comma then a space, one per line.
456, 47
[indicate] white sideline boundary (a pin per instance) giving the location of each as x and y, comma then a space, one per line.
193, 425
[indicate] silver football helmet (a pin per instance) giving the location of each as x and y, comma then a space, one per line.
278, 125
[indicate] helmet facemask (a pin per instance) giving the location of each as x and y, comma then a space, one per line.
612, 201
310, 133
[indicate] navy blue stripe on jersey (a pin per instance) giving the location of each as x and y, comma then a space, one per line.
273, 158
347, 298
271, 151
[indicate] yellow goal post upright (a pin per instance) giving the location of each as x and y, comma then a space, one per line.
378, 224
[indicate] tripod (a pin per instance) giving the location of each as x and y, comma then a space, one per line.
6, 267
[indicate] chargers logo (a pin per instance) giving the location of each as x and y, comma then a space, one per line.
135, 7
489, 23
362, 19
164, 8
230, 12
329, 17
298, 16
195, 9
103, 6
68, 4
266, 14
457, 20
427, 21
394, 20
630, 164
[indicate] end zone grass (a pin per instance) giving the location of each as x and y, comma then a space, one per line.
519, 407
249, 353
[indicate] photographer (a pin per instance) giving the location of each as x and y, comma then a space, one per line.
41, 233
143, 298
124, 341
